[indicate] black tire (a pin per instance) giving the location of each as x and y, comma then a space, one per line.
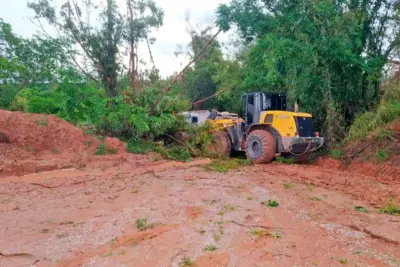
221, 144
260, 147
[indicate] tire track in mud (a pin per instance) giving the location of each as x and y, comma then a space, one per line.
69, 173
186, 194
361, 187
126, 240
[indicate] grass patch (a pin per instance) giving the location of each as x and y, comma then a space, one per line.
226, 208
186, 262
210, 248
44, 231
381, 135
361, 209
217, 237
134, 190
178, 153
226, 165
288, 186
108, 254
88, 143
385, 112
142, 225
343, 261
313, 198
220, 227
202, 231
391, 208
102, 149
336, 153
44, 122
287, 161
270, 203
264, 233
382, 156
100, 138
139, 148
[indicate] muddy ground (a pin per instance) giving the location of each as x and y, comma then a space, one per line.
196, 217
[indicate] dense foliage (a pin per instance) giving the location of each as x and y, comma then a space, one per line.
328, 54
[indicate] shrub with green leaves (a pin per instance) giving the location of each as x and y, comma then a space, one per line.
391, 208
136, 121
73, 101
385, 112
270, 203
103, 149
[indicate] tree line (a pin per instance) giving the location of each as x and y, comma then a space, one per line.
329, 55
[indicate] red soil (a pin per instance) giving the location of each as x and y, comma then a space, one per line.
32, 143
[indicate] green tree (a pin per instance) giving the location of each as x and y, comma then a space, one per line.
35, 61
329, 54
96, 44
197, 81
101, 44
142, 17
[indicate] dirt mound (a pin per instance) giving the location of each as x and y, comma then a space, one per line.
40, 133
394, 127
373, 157
34, 143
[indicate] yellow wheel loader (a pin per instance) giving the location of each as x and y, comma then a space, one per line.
266, 130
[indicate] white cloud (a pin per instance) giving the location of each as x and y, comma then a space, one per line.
168, 37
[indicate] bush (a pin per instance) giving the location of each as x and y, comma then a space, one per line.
135, 147
103, 149
386, 111
76, 103
7, 95
391, 208
136, 121
178, 153
336, 153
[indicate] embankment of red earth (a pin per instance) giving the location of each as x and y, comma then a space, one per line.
32, 143
374, 163
373, 157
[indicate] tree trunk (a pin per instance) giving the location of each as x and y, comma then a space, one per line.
132, 66
110, 66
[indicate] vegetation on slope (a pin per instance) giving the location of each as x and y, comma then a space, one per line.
328, 55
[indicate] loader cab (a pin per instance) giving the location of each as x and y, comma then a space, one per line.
255, 103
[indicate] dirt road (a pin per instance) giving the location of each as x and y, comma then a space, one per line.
188, 216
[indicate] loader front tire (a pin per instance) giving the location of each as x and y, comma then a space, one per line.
221, 144
260, 147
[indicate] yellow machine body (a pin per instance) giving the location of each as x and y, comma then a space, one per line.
282, 121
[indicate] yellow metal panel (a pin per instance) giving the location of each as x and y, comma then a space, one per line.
221, 124
283, 121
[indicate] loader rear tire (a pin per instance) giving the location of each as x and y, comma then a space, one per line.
221, 144
260, 147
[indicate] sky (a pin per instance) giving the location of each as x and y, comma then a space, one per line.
168, 37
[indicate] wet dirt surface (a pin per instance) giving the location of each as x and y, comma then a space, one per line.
87, 217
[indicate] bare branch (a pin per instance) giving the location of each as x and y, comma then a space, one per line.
166, 90
151, 54
40, 25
